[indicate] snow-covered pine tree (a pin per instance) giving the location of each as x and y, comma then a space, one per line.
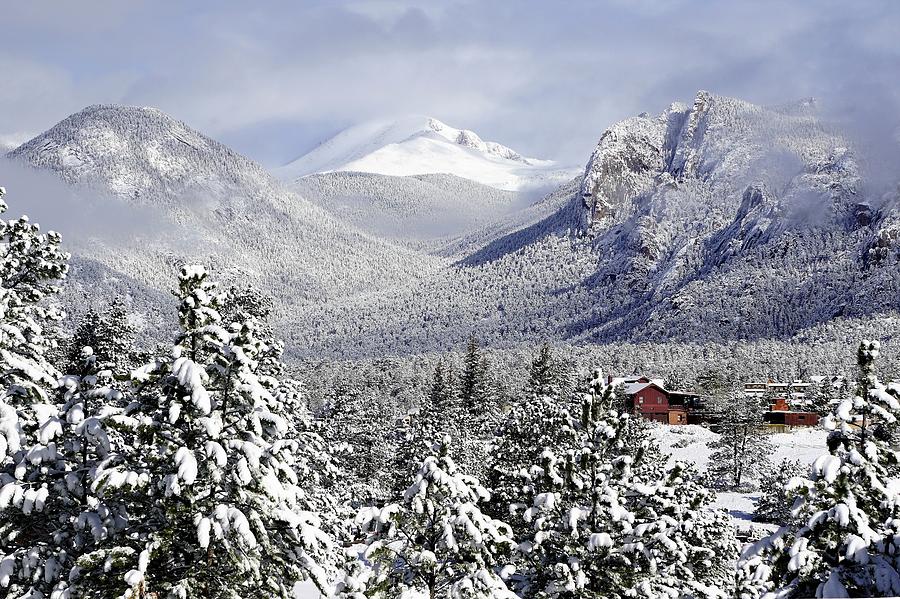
713, 388
775, 503
823, 397
599, 398
440, 414
31, 265
603, 526
544, 375
845, 540
442, 393
223, 513
437, 542
741, 453
475, 394
361, 431
240, 302
477, 411
108, 334
92, 437
441, 410
32, 558
535, 424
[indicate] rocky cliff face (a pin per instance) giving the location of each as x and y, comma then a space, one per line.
727, 211
725, 146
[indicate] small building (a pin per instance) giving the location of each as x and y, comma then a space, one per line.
790, 418
650, 399
782, 413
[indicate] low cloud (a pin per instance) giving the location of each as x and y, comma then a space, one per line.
79, 215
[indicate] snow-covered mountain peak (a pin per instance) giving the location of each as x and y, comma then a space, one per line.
133, 151
212, 205
420, 145
721, 142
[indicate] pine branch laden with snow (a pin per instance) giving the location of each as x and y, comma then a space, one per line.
601, 524
436, 542
847, 510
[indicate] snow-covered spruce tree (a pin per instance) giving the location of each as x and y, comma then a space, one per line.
775, 503
224, 513
845, 540
437, 542
741, 453
603, 525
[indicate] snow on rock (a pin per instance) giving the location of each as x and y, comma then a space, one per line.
420, 145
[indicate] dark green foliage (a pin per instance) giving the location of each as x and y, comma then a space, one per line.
775, 503
111, 337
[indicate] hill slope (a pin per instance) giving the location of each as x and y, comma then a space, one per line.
415, 208
212, 205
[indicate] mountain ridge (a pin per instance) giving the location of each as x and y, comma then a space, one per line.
714, 221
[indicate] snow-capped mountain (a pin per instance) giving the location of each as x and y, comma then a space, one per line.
420, 145
188, 197
717, 220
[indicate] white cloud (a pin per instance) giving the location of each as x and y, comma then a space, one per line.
544, 78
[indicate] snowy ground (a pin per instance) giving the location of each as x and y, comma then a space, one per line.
690, 444
306, 590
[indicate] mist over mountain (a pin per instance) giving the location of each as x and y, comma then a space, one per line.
185, 197
714, 221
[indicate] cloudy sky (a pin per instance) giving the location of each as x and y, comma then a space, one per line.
272, 79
